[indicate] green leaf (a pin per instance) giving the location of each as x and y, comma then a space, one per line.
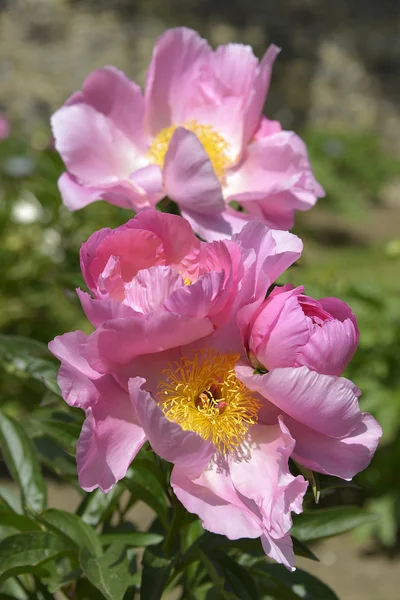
112, 573
74, 529
20, 458
139, 492
11, 500
97, 506
19, 522
301, 549
23, 552
28, 357
318, 524
156, 572
299, 584
239, 580
135, 539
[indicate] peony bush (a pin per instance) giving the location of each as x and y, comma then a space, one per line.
206, 388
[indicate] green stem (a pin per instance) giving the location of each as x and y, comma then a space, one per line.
178, 516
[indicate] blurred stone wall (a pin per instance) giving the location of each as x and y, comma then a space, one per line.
339, 66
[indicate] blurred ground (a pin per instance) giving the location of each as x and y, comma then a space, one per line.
350, 567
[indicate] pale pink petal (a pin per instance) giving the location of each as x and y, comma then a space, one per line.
339, 310
110, 92
199, 298
189, 177
149, 179
110, 438
99, 310
267, 127
340, 457
210, 227
266, 454
76, 196
326, 404
184, 448
280, 550
258, 95
178, 57
119, 341
213, 498
274, 179
151, 287
91, 146
75, 376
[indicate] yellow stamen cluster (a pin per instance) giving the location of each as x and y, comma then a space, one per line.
214, 144
204, 395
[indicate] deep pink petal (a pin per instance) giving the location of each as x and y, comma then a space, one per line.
280, 331
326, 404
178, 57
330, 347
189, 177
180, 245
110, 92
110, 438
184, 448
75, 376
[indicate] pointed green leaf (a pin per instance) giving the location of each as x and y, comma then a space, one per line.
299, 584
112, 573
156, 572
317, 524
134, 539
312, 478
97, 506
74, 529
23, 552
20, 458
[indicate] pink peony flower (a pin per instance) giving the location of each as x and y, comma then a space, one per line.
292, 330
167, 364
197, 136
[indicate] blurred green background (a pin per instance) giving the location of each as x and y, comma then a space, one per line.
338, 91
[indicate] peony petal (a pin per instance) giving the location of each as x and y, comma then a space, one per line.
91, 146
110, 438
118, 342
150, 288
280, 331
326, 404
184, 448
189, 177
110, 92
99, 310
75, 377
330, 347
258, 95
213, 498
339, 457
178, 57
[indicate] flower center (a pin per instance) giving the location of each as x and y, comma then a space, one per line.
214, 144
205, 396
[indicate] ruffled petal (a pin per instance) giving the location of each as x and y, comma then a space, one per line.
183, 448
189, 177
110, 438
